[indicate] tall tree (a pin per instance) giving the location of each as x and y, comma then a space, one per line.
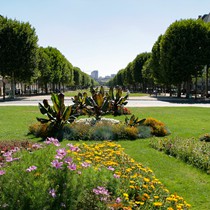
137, 66
18, 50
44, 68
182, 51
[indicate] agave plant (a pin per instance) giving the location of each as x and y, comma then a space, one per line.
117, 101
134, 121
58, 114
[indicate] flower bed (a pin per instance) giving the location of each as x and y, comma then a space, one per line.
81, 176
191, 151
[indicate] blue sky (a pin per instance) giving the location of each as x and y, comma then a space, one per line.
103, 35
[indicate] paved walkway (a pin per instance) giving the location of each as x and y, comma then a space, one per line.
145, 101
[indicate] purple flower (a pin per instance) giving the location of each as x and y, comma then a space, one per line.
85, 164
31, 168
8, 154
16, 149
37, 146
72, 166
73, 148
60, 153
101, 191
52, 141
116, 176
2, 172
9, 159
52, 193
118, 200
68, 160
57, 164
110, 168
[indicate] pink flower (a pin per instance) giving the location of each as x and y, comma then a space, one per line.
37, 146
52, 193
73, 148
57, 164
85, 164
118, 200
68, 160
52, 141
110, 168
31, 168
9, 159
116, 176
72, 166
60, 153
2, 172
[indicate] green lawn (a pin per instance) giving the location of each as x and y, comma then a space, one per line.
184, 122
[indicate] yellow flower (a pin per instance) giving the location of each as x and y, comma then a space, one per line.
146, 179
170, 208
156, 196
139, 202
157, 203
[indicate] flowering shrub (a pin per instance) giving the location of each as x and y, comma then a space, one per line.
191, 151
158, 128
81, 176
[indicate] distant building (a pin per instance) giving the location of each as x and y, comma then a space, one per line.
94, 74
205, 18
113, 75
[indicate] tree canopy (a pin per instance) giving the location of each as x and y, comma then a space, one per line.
18, 49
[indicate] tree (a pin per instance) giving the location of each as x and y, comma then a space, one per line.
18, 50
182, 51
137, 66
155, 63
44, 68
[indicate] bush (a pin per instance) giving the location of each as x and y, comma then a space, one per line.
158, 128
190, 151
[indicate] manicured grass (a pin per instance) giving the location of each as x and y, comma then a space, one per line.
15, 121
185, 122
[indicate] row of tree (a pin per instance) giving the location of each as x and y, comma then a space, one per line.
23, 61
177, 57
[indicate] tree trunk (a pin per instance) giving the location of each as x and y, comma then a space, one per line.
4, 89
188, 88
207, 81
13, 86
196, 86
179, 91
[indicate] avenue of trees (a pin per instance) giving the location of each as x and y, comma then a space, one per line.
23, 61
179, 58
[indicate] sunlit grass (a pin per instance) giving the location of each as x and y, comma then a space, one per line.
184, 122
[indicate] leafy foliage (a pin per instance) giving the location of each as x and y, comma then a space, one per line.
134, 121
58, 114
117, 101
